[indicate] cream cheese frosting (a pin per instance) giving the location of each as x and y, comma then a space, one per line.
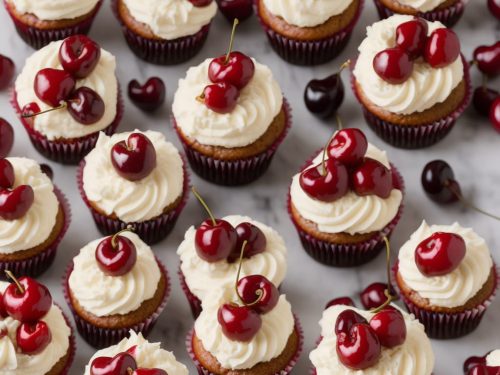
422, 5
59, 124
413, 357
50, 10
259, 103
171, 19
147, 355
35, 227
306, 13
203, 277
426, 86
352, 213
133, 201
104, 295
493, 358
459, 286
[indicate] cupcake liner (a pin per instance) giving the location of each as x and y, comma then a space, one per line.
38, 38
151, 231
287, 370
69, 151
99, 337
440, 325
420, 136
37, 265
72, 345
194, 302
448, 16
162, 51
234, 172
312, 52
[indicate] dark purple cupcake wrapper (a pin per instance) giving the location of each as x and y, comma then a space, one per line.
312, 52
234, 172
38, 264
448, 16
162, 51
70, 151
72, 345
287, 370
194, 302
38, 38
99, 337
448, 325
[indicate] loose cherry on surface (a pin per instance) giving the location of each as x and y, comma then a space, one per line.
440, 254
236, 9
149, 371
483, 98
33, 338
326, 182
15, 203
442, 48
79, 55
340, 301
7, 175
473, 362
257, 288
7, 70
393, 65
359, 348
200, 3
346, 320
390, 327
484, 370
220, 97
411, 37
85, 106
438, 181
373, 296
120, 364
494, 7
239, 323
150, 96
116, 255
348, 146
135, 158
256, 241
372, 178
53, 86
6, 138
487, 59
495, 114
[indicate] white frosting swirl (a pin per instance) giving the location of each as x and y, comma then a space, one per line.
456, 288
133, 201
493, 358
104, 295
36, 226
426, 86
60, 124
413, 357
422, 5
306, 13
352, 213
50, 10
146, 354
171, 19
203, 277
259, 103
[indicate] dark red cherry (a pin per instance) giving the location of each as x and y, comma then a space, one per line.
28, 111
116, 255
438, 181
483, 98
411, 37
484, 370
239, 9
360, 348
150, 96
256, 241
85, 106
149, 371
135, 158
373, 296
325, 185
15, 203
238, 70
220, 97
473, 362
393, 65
29, 305
372, 178
215, 241
53, 86
440, 254
340, 301
487, 59
494, 7
390, 327
3, 313
118, 365
323, 97
79, 55
200, 3
257, 287
6, 138
33, 338
7, 70
47, 170
346, 320
348, 146
495, 114
442, 48
239, 323
7, 175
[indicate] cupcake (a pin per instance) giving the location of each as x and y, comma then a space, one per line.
308, 33
165, 32
34, 217
114, 285
388, 342
488, 364
36, 337
43, 21
147, 184
346, 200
140, 354
230, 124
65, 95
411, 93
446, 278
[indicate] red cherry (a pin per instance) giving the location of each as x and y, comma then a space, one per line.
256, 241
6, 138
7, 175
79, 55
372, 178
15, 203
494, 7
52, 86
149, 371
239, 323
29, 110
348, 146
442, 48
483, 99
438, 181
240, 9
135, 158
390, 327
340, 301
238, 70
360, 348
323, 97
373, 296
118, 365
346, 320
220, 97
328, 187
393, 65
200, 3
440, 254
132, 350
116, 255
251, 287
150, 96
3, 313
484, 370
33, 338
411, 37
495, 114
85, 106
215, 241
473, 362
7, 70
487, 59
29, 305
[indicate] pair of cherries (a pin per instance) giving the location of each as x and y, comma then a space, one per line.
14, 202
134, 158
116, 255
439, 49
478, 366
121, 364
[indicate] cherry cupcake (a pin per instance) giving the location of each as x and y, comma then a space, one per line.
40, 22
411, 80
165, 32
139, 355
147, 184
36, 337
446, 278
308, 33
65, 95
114, 285
488, 364
34, 217
346, 200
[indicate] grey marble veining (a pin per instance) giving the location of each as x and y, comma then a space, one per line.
472, 149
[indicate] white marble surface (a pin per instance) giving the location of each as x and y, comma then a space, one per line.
472, 149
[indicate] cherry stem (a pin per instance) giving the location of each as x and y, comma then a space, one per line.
129, 228
325, 150
30, 115
11, 276
231, 41
387, 292
340, 125
205, 205
344, 65
201, 98
130, 370
466, 203
259, 293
